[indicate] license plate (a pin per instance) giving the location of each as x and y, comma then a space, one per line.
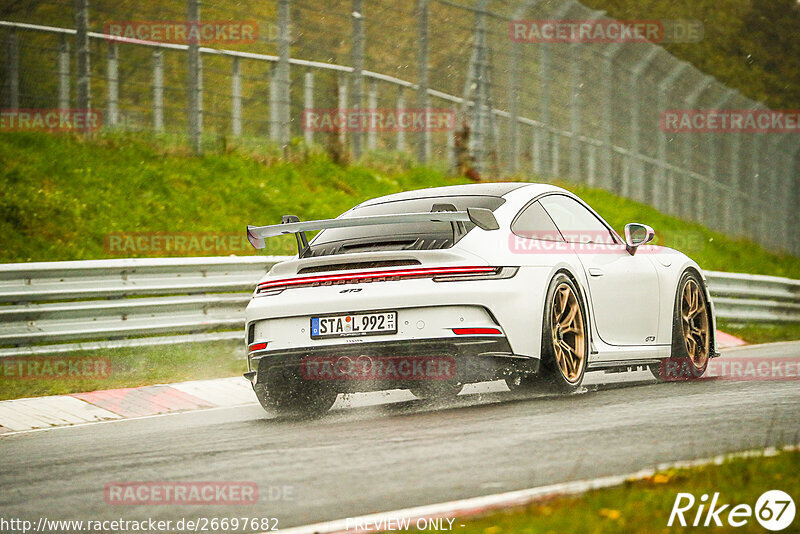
355, 324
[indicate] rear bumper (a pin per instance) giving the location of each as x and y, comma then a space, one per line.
426, 310
394, 364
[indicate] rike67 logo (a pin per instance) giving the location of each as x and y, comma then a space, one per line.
774, 510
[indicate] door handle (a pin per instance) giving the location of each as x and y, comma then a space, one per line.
595, 272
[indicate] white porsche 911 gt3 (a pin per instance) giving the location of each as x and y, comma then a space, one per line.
432, 289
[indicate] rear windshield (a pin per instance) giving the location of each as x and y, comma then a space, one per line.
416, 236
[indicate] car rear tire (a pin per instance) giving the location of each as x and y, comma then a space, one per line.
294, 397
565, 341
691, 333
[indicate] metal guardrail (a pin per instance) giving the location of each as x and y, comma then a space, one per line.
57, 307
754, 298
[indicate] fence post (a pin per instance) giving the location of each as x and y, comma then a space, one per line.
591, 164
536, 150
63, 73
274, 112
770, 232
343, 106
635, 186
84, 84
715, 214
794, 199
283, 75
542, 133
666, 202
112, 80
424, 138
450, 144
608, 180
401, 106
555, 159
236, 97
688, 191
372, 104
357, 52
158, 90
12, 58
308, 104
754, 197
574, 112
195, 83
513, 107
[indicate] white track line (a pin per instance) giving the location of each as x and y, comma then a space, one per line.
480, 505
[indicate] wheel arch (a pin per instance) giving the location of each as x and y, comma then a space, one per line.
583, 293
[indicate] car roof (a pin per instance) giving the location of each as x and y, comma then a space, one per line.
493, 189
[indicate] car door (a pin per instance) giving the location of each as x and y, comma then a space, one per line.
623, 288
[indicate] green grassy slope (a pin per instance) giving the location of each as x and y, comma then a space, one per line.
61, 196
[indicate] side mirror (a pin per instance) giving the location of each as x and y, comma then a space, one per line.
637, 234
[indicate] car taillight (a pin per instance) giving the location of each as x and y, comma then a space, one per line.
438, 274
257, 346
476, 331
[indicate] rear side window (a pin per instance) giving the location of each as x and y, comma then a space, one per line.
424, 236
534, 223
576, 223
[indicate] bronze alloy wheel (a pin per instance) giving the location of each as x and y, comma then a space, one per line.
694, 323
568, 333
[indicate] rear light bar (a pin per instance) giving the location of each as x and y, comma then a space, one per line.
476, 331
257, 346
439, 274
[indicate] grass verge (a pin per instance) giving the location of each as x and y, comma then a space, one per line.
128, 367
65, 197
761, 333
644, 506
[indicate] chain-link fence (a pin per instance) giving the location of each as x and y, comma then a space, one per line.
588, 112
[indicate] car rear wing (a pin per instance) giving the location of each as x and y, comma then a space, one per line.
481, 217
